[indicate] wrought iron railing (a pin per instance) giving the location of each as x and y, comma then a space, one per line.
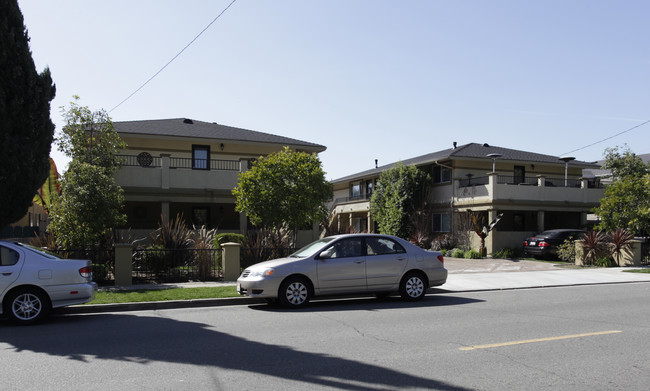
179, 162
176, 265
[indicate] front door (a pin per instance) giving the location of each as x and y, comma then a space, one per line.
344, 267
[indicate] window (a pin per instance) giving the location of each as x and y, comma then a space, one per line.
8, 257
441, 222
381, 246
369, 185
441, 174
347, 248
355, 190
200, 157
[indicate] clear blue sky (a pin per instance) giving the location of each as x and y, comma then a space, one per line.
369, 79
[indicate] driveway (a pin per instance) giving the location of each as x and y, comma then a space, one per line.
461, 265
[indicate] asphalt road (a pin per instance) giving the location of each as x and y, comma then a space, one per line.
569, 338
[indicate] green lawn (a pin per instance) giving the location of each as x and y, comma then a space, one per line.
110, 297
638, 271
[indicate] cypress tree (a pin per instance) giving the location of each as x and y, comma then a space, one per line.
26, 130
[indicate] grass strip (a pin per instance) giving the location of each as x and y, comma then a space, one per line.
637, 271
137, 296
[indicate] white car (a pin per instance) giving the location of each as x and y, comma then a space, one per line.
343, 265
32, 282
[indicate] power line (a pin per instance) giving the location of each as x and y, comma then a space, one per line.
174, 58
605, 139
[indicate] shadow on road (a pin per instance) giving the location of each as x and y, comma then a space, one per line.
146, 339
338, 304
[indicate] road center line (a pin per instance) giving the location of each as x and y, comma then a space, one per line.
496, 345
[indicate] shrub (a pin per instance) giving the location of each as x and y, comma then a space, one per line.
595, 247
228, 238
100, 272
472, 254
508, 253
605, 262
457, 253
567, 251
621, 244
443, 252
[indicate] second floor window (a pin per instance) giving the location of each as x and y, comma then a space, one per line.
441, 174
201, 157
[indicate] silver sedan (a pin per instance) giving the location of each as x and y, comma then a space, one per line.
343, 265
32, 282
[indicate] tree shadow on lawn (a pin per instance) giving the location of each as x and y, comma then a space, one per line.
146, 339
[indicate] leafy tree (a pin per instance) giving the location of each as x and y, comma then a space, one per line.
26, 130
284, 189
627, 200
400, 191
90, 203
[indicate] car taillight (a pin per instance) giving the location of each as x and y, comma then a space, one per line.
86, 272
543, 244
441, 259
525, 242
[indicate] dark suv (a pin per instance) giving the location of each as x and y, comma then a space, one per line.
546, 243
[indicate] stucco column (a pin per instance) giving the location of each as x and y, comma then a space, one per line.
164, 210
338, 223
123, 264
540, 221
541, 180
164, 179
371, 229
230, 261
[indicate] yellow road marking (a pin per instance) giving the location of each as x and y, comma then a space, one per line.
496, 345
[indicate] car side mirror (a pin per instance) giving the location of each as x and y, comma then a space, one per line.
327, 254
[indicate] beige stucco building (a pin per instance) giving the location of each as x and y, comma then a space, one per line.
533, 192
189, 167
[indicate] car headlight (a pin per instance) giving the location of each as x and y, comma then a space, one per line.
262, 272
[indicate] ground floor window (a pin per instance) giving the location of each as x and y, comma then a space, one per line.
441, 222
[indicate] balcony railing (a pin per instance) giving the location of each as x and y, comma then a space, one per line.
362, 197
529, 181
178, 162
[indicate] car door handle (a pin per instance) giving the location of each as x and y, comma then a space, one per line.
7, 273
401, 258
358, 260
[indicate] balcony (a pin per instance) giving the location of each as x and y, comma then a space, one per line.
541, 190
166, 172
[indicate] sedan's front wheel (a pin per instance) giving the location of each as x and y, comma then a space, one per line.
413, 286
294, 292
27, 306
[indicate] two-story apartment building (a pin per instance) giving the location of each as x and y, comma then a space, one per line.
189, 167
533, 192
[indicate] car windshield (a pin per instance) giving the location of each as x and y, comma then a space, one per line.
38, 250
311, 248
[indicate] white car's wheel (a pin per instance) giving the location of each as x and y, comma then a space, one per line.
27, 306
294, 292
413, 286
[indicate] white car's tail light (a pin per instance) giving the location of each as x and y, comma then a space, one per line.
86, 272
441, 259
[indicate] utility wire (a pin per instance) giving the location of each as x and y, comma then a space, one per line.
174, 58
608, 138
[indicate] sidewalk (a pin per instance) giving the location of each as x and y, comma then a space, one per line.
465, 275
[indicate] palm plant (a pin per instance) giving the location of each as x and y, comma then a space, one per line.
621, 243
594, 246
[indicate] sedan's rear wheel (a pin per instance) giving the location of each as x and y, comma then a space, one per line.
27, 306
413, 286
295, 292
